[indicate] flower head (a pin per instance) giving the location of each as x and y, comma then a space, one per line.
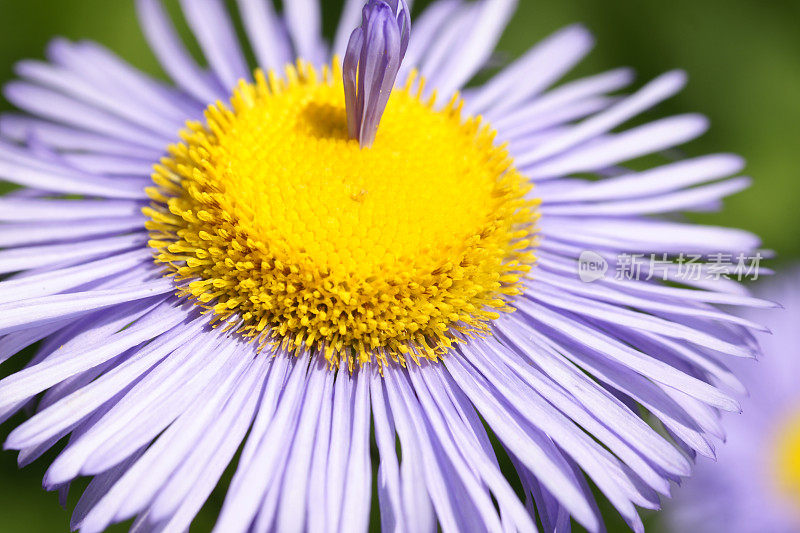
271, 218
297, 257
754, 484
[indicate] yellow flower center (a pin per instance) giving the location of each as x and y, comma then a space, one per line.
271, 217
786, 459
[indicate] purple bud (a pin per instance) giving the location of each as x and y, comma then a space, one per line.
371, 63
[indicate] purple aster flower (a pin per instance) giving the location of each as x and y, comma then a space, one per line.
754, 486
327, 262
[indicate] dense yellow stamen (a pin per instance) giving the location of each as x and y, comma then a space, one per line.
271, 217
786, 459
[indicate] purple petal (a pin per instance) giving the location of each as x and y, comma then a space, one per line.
270, 45
540, 67
216, 35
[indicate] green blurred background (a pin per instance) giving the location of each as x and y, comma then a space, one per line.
743, 58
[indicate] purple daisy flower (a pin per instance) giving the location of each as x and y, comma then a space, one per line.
335, 262
754, 485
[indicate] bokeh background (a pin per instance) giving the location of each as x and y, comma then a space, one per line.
743, 58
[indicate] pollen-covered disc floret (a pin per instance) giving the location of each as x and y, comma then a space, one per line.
269, 215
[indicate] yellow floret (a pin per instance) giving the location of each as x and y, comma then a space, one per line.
786, 459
